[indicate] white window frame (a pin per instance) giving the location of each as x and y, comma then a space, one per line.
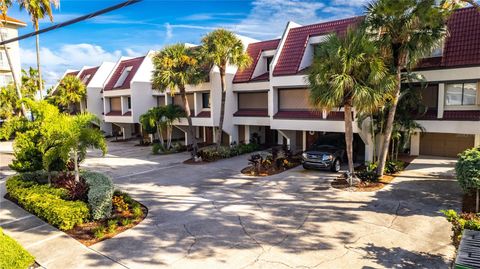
463, 94
125, 72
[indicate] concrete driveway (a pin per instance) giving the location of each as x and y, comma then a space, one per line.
210, 216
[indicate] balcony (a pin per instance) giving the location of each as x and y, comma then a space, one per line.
251, 112
309, 115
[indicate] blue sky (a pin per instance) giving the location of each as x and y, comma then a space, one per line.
152, 24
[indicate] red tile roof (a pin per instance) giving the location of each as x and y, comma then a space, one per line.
134, 63
73, 73
86, 72
297, 39
251, 113
462, 46
457, 115
255, 51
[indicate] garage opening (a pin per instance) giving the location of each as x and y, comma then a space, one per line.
358, 144
445, 145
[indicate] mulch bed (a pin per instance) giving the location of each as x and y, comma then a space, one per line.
364, 186
250, 171
84, 232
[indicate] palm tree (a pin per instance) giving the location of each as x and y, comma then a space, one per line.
38, 9
221, 48
348, 72
175, 67
4, 6
406, 30
171, 114
71, 90
148, 123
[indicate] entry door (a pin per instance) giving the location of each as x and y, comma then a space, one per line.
209, 135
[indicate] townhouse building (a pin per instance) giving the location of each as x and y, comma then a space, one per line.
268, 102
9, 30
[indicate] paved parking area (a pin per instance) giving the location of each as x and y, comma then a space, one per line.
210, 216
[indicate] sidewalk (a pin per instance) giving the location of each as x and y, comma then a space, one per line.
52, 248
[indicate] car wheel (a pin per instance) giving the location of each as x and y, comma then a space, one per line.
335, 166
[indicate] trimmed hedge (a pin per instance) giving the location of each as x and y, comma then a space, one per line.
211, 154
48, 203
99, 194
13, 256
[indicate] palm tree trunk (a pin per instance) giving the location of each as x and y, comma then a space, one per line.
160, 135
75, 162
10, 65
81, 106
169, 136
388, 129
349, 140
191, 133
222, 109
374, 143
37, 44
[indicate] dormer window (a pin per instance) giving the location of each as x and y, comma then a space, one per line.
126, 71
86, 78
269, 61
437, 52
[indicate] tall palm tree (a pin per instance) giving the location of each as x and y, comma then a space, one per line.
348, 72
175, 67
4, 6
406, 30
38, 9
221, 48
171, 114
70, 91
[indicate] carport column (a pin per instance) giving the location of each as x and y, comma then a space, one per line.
415, 144
441, 100
282, 134
247, 134
476, 142
304, 140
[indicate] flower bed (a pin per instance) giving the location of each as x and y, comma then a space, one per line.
13, 256
211, 154
89, 210
270, 163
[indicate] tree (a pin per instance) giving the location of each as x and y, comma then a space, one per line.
4, 6
348, 72
171, 114
468, 174
154, 118
405, 30
221, 48
71, 90
10, 104
175, 67
38, 9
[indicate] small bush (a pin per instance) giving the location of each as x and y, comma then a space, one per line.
26, 151
211, 154
119, 204
157, 148
99, 194
460, 222
368, 173
468, 169
99, 232
112, 225
137, 212
126, 222
40, 176
13, 256
392, 167
48, 203
77, 190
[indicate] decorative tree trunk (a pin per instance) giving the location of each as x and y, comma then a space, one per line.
37, 45
75, 162
477, 201
222, 109
349, 141
388, 129
159, 132
191, 133
15, 80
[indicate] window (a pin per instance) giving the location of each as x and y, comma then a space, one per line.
206, 100
86, 78
126, 71
129, 103
461, 94
269, 61
4, 33
5, 80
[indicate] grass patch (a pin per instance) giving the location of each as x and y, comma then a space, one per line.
13, 256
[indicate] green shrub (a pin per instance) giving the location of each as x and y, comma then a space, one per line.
460, 222
468, 169
126, 222
137, 212
157, 148
368, 173
99, 232
28, 156
99, 194
40, 176
48, 203
392, 167
13, 256
112, 225
211, 154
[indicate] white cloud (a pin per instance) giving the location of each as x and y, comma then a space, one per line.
352, 3
69, 56
168, 32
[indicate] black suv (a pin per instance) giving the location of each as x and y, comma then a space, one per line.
327, 152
